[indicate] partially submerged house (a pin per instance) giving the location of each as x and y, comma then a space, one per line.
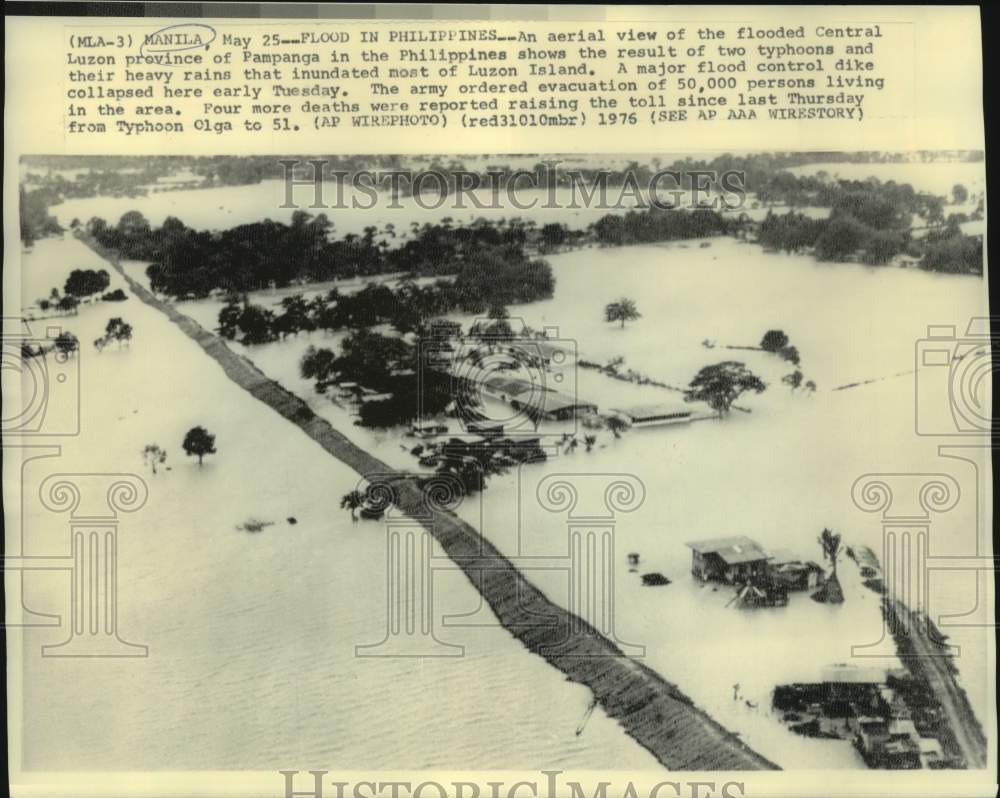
792, 573
654, 415
485, 429
761, 593
557, 406
859, 704
511, 389
734, 560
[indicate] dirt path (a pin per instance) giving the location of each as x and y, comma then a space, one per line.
925, 659
651, 710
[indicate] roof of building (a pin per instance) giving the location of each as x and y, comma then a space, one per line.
661, 410
853, 674
929, 745
903, 727
732, 550
553, 401
787, 560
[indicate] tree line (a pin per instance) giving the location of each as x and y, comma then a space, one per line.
861, 226
188, 263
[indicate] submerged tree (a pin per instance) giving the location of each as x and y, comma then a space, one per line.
774, 341
319, 365
116, 330
84, 282
721, 385
829, 541
68, 304
198, 442
623, 310
791, 354
352, 501
119, 330
831, 591
67, 343
153, 455
793, 380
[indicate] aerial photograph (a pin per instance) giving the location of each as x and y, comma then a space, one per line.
524, 461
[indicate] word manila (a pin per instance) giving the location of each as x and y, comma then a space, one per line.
171, 37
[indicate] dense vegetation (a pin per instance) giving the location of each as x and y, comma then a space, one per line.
488, 259
385, 364
659, 224
871, 222
36, 222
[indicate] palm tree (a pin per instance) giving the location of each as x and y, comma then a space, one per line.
623, 310
352, 501
831, 591
153, 455
830, 543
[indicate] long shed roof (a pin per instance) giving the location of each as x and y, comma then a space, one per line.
733, 550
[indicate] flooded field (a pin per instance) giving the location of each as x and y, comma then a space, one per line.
212, 600
719, 478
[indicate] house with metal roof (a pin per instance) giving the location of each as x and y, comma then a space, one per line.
653, 415
558, 406
735, 559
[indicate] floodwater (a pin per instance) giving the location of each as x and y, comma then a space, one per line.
779, 474
252, 636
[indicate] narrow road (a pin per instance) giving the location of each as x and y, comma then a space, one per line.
651, 710
926, 659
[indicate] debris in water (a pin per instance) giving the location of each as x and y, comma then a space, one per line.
586, 717
254, 525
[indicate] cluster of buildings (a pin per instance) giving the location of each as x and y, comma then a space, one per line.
763, 578
865, 705
523, 374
